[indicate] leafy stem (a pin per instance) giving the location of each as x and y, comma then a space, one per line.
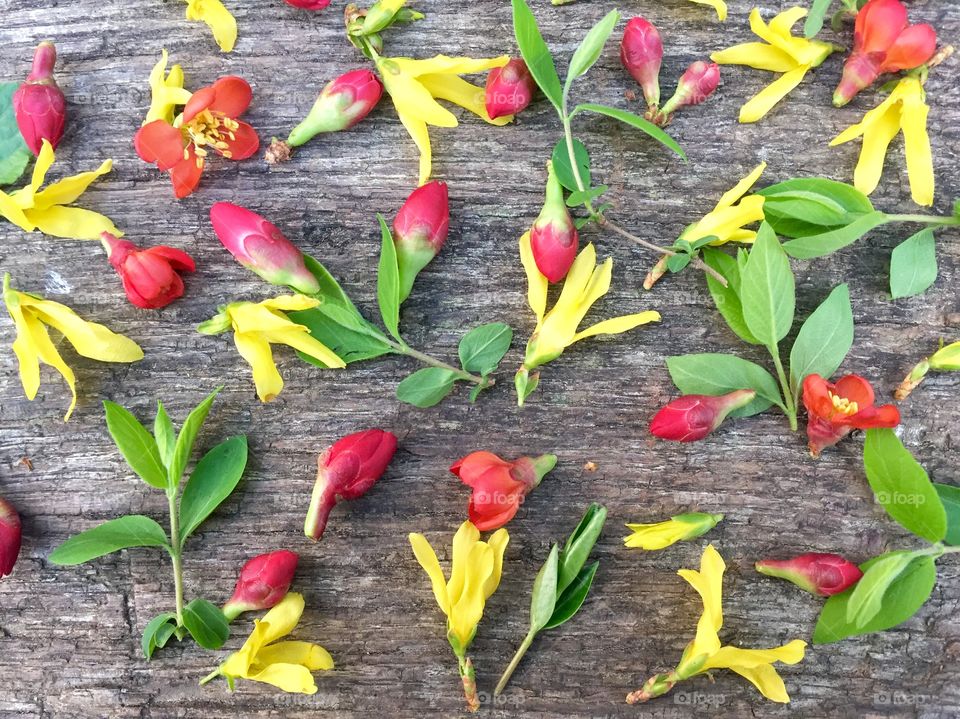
791, 407
515, 662
405, 349
176, 551
937, 220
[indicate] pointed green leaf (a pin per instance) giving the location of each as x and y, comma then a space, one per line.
579, 545
213, 480
482, 348
544, 596
164, 434
426, 387
913, 265
824, 339
588, 52
727, 299
561, 164
950, 497
814, 23
344, 331
636, 122
157, 632
767, 289
535, 52
388, 281
133, 530
188, 436
136, 445
866, 600
825, 243
573, 596
715, 374
206, 624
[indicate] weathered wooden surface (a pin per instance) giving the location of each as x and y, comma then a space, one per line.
69, 637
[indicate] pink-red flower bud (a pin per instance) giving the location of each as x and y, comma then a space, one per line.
150, 277
343, 103
694, 416
309, 4
39, 104
641, 52
817, 573
695, 85
883, 41
9, 537
509, 89
263, 582
259, 246
553, 237
346, 471
499, 487
419, 231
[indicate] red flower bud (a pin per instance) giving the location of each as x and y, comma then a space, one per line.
263, 582
149, 276
695, 85
342, 104
309, 4
259, 246
694, 416
823, 574
641, 52
419, 231
883, 41
553, 237
346, 471
9, 537
834, 410
38, 104
509, 89
499, 487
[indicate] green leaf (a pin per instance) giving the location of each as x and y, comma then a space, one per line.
563, 168
164, 434
579, 544
950, 497
767, 289
388, 281
14, 153
675, 263
820, 245
572, 598
330, 289
136, 445
902, 486
913, 265
727, 299
635, 121
824, 339
188, 436
577, 197
866, 599
426, 387
213, 480
133, 530
535, 52
840, 197
482, 348
344, 331
814, 22
157, 632
544, 596
588, 52
715, 374
206, 624
905, 595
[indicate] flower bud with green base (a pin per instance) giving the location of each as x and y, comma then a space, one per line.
553, 238
263, 582
641, 53
420, 231
814, 572
39, 105
698, 83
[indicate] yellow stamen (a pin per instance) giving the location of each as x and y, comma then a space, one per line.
210, 130
842, 404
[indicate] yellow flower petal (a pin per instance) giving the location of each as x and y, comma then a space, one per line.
292, 678
873, 116
464, 541
90, 339
10, 210
299, 338
726, 221
708, 582
764, 101
69, 189
654, 536
421, 137
536, 282
454, 88
466, 612
166, 91
238, 664
291, 303
742, 187
735, 657
257, 317
446, 65
498, 542
719, 5
618, 324
876, 139
917, 147
598, 286
312, 656
256, 352
575, 284
283, 618
758, 55
24, 346
411, 98
431, 565
24, 197
766, 679
217, 18
73, 223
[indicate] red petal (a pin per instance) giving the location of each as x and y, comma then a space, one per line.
486, 517
186, 174
159, 142
914, 47
178, 259
878, 24
199, 101
244, 144
856, 389
229, 96
884, 416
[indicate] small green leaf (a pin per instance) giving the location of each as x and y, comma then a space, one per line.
477, 389
867, 598
579, 545
133, 530
716, 374
950, 496
157, 632
577, 198
902, 600
482, 348
535, 52
902, 486
426, 387
913, 265
572, 598
136, 445
636, 122
563, 168
814, 23
388, 281
824, 339
188, 436
164, 434
767, 289
213, 480
14, 153
544, 596
344, 331
727, 299
675, 263
588, 52
823, 244
206, 624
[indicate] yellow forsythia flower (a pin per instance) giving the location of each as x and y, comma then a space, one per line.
32, 314
217, 18
904, 111
557, 329
793, 56
285, 665
257, 325
31, 208
719, 5
166, 91
475, 569
728, 220
676, 529
413, 85
705, 653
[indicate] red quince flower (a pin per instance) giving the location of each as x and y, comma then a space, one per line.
149, 276
883, 41
834, 410
814, 572
263, 582
499, 486
208, 122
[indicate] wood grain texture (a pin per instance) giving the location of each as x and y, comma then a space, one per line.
69, 637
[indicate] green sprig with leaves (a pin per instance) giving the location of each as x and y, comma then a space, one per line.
818, 12
160, 460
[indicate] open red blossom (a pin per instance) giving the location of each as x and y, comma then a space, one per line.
499, 486
208, 122
883, 41
834, 410
150, 277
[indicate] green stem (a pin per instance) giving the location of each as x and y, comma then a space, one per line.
175, 553
210, 677
511, 667
426, 359
785, 387
939, 220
